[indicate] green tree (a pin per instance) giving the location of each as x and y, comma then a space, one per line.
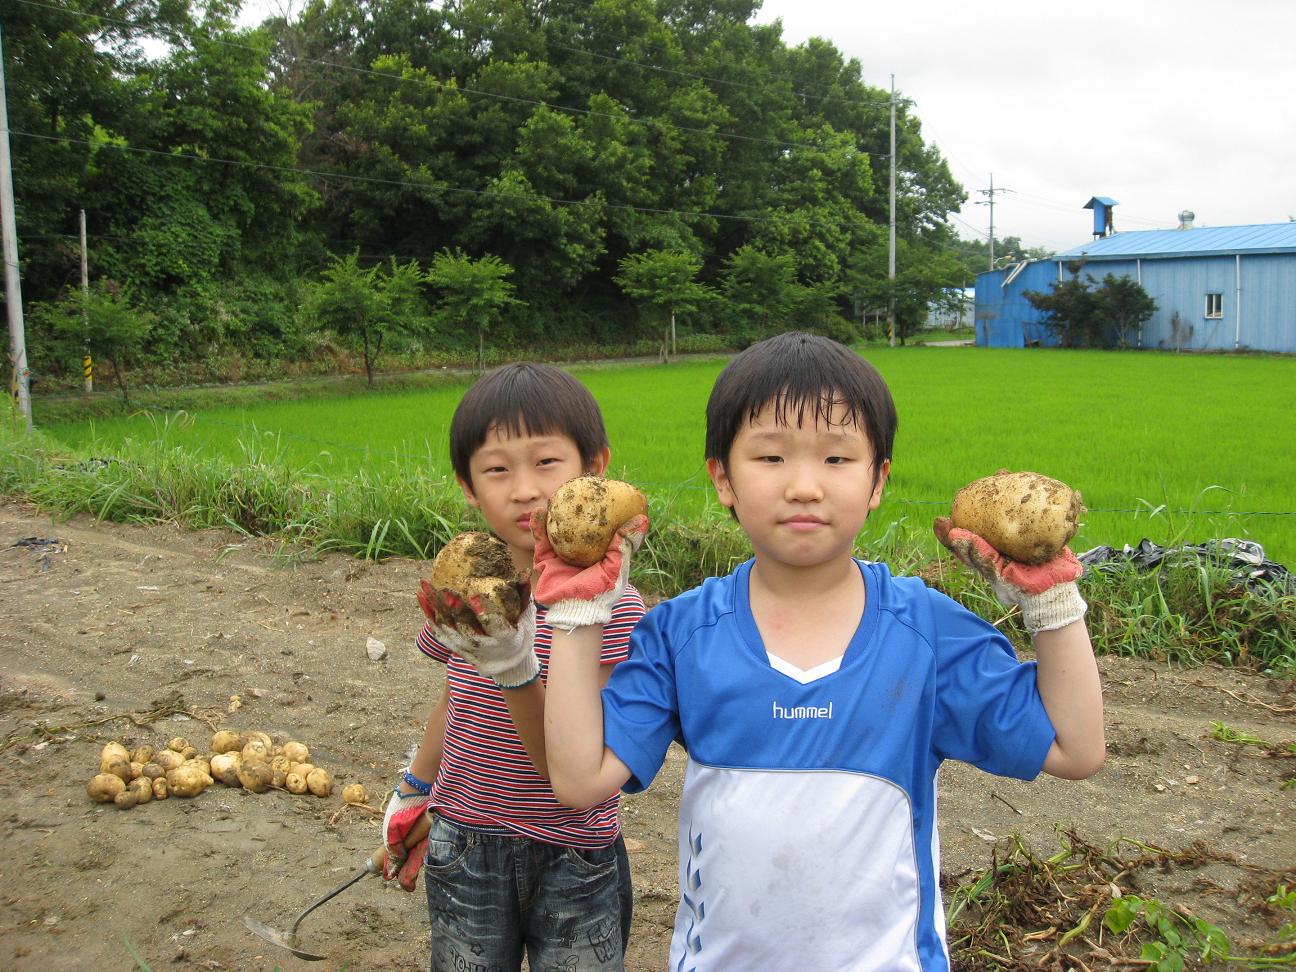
1085, 312
666, 282
1122, 306
471, 292
371, 304
761, 291
101, 323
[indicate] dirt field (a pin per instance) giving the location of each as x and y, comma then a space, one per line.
136, 620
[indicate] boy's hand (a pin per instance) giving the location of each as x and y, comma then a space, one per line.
580, 596
499, 650
1046, 593
403, 812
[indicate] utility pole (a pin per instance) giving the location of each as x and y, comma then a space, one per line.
891, 259
87, 362
13, 285
989, 201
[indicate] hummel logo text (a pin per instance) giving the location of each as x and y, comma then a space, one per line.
803, 712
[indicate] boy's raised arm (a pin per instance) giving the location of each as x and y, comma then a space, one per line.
1069, 685
582, 770
579, 601
1053, 612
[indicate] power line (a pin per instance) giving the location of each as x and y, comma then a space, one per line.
960, 219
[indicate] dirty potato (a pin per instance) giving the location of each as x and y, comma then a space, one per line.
319, 782
479, 566
1025, 516
255, 775
142, 787
225, 767
355, 793
105, 787
224, 741
113, 752
187, 781
585, 513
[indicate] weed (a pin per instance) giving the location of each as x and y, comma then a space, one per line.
1075, 909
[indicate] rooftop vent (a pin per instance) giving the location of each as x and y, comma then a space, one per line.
1102, 212
1186, 218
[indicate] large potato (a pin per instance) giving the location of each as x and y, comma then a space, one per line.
586, 512
479, 566
113, 752
1025, 516
225, 741
186, 781
105, 787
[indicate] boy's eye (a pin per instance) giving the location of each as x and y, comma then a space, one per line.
494, 469
837, 460
770, 459
549, 461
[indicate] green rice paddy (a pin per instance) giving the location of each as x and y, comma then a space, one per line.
1175, 448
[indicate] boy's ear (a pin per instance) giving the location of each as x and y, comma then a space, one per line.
598, 465
720, 479
876, 498
467, 491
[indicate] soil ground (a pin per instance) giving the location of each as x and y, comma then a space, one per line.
124, 622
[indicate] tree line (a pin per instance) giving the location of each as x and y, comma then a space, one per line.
391, 173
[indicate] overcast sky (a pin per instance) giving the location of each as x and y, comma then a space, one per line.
1161, 105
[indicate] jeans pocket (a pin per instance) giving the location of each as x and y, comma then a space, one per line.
584, 860
447, 848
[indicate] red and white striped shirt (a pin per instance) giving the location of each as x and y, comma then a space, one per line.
486, 780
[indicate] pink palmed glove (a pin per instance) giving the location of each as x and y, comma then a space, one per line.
403, 812
1046, 593
580, 596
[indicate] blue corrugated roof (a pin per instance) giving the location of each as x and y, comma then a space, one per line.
1200, 241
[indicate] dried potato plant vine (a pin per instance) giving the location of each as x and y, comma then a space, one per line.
144, 719
1026, 912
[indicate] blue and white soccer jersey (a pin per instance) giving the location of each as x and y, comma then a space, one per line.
808, 837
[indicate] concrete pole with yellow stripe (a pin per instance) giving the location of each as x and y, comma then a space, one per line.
87, 362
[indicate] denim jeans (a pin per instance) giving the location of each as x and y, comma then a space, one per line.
491, 897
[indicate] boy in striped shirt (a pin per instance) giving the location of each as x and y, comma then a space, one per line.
508, 868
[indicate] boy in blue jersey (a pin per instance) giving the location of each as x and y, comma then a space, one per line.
817, 695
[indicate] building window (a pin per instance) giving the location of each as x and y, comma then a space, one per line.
1214, 305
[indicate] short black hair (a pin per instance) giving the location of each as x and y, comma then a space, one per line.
525, 399
800, 373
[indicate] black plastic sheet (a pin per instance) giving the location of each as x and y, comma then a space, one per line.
1244, 559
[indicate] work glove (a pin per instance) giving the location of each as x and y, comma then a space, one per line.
501, 651
1045, 593
576, 597
403, 811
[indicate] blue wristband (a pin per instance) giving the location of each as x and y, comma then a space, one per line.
414, 781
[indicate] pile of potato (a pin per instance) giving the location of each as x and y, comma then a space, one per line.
250, 760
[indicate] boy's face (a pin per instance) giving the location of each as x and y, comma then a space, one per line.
514, 475
801, 492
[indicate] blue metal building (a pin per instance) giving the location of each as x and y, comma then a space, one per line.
1219, 288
